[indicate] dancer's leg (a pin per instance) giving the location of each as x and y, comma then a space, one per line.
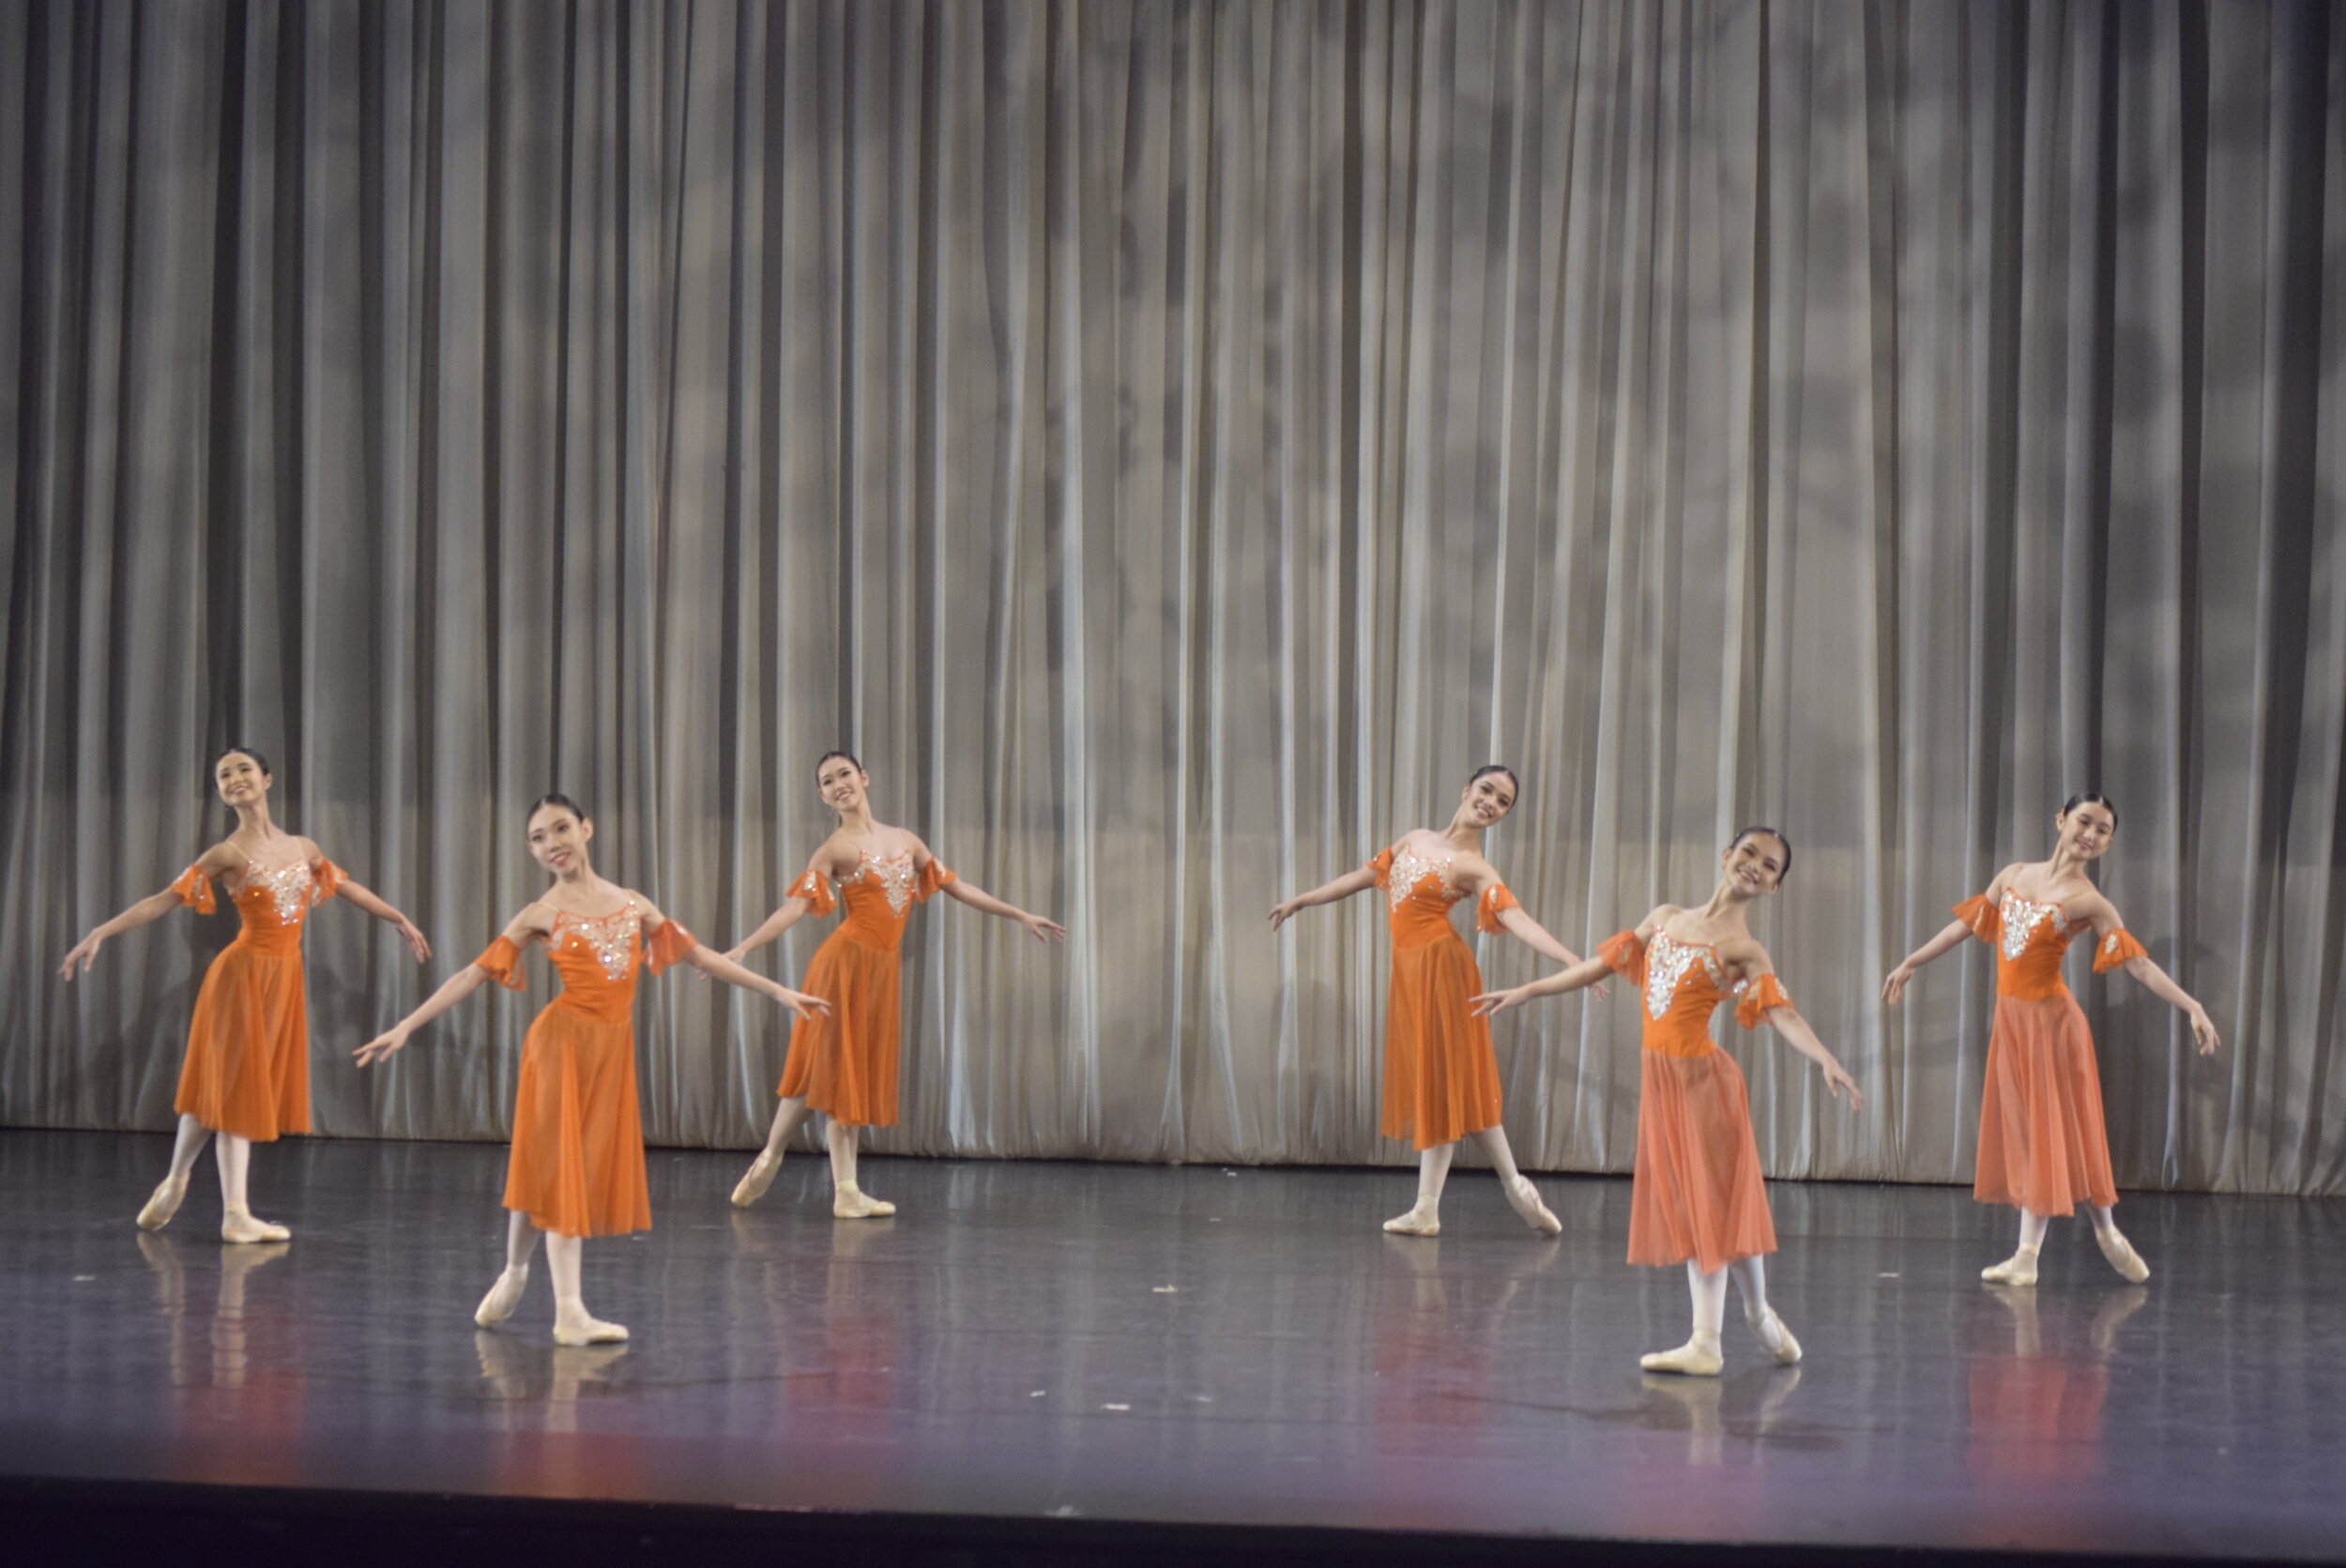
234, 1156
848, 1201
1425, 1216
2116, 1248
520, 1241
2020, 1268
172, 1189
573, 1323
1751, 1278
1699, 1356
1521, 1196
789, 1117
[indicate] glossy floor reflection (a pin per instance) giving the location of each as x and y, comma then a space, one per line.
1193, 1343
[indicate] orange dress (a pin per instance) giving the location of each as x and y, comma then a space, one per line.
2042, 1142
577, 1168
845, 1064
1696, 1192
1441, 1077
248, 1066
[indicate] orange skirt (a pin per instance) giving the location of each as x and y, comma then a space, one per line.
578, 1139
248, 1066
1441, 1078
845, 1064
1698, 1191
2042, 1142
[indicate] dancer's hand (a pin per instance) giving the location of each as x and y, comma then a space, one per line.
1490, 1004
2203, 1030
1837, 1080
85, 953
1282, 913
382, 1047
1043, 930
416, 943
802, 1004
1894, 987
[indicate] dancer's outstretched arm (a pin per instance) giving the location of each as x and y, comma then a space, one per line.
528, 927
716, 965
1585, 973
961, 889
2161, 984
366, 899
1788, 1022
782, 920
213, 863
1950, 936
1327, 892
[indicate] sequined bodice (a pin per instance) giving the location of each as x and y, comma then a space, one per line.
1412, 874
2036, 939
890, 877
1684, 983
283, 892
596, 952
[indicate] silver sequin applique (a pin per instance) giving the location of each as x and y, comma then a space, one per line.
1667, 963
288, 887
894, 874
2021, 916
610, 938
1410, 869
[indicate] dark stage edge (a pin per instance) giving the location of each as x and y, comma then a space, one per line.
1048, 1363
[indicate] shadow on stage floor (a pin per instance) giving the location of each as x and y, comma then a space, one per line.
1064, 1363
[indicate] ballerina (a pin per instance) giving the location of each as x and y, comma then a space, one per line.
1697, 1196
246, 1079
1442, 1076
845, 1065
577, 1165
2042, 1146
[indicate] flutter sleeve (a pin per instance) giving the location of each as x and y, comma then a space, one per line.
934, 879
1987, 923
1495, 901
669, 944
326, 881
194, 889
1381, 867
815, 888
502, 963
1627, 954
2112, 950
1759, 998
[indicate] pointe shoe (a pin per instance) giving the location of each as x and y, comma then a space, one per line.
2020, 1269
238, 1225
503, 1297
1775, 1337
761, 1176
853, 1203
1525, 1199
1698, 1358
169, 1194
573, 1333
2123, 1256
1417, 1222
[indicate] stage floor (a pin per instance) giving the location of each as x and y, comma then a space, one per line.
1198, 1344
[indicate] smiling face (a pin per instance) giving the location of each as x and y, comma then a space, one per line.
240, 779
840, 783
1487, 797
1755, 863
2086, 828
558, 837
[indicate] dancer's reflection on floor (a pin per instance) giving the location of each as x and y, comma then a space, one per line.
225, 1358
549, 1378
1711, 1410
2037, 1410
1434, 1337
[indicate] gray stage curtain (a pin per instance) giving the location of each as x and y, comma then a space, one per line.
1174, 443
